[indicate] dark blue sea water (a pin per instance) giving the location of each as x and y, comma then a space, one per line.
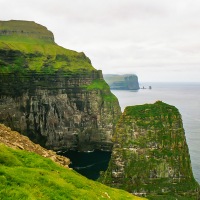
186, 97
88, 164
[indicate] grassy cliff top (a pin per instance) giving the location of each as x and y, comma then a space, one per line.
26, 44
23, 29
21, 25
150, 110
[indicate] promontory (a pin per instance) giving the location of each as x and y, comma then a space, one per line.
51, 94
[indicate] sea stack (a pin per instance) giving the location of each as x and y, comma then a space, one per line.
150, 155
51, 94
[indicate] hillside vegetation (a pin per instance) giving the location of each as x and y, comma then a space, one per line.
25, 175
27, 46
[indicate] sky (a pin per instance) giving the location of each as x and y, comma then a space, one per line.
159, 40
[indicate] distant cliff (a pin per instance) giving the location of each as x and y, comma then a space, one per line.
150, 155
122, 82
51, 94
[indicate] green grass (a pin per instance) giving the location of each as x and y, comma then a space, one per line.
25, 175
100, 84
147, 110
27, 46
33, 54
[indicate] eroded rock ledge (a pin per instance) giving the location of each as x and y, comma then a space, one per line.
17, 141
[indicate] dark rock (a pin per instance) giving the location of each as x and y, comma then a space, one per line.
51, 94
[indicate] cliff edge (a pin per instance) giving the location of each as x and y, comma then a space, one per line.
26, 30
150, 155
51, 94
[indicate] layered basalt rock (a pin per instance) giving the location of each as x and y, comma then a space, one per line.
150, 155
51, 94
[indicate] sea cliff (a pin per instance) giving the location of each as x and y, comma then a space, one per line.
51, 94
122, 82
150, 155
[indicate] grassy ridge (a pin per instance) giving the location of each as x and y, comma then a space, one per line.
147, 110
100, 84
38, 55
25, 175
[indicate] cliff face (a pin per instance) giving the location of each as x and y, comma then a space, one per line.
51, 94
150, 155
122, 82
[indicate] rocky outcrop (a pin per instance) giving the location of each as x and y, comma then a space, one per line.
122, 82
60, 112
17, 141
150, 155
54, 95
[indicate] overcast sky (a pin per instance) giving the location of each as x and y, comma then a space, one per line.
159, 40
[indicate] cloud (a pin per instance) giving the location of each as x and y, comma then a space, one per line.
139, 36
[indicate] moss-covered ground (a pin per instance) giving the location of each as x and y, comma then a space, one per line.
25, 175
100, 84
20, 53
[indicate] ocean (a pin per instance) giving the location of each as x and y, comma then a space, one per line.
185, 96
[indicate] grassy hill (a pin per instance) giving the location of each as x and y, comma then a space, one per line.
27, 46
25, 175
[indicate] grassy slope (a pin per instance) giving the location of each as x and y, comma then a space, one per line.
25, 175
104, 87
37, 53
47, 57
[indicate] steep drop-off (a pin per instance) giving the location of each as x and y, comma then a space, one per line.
51, 94
150, 155
26, 175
